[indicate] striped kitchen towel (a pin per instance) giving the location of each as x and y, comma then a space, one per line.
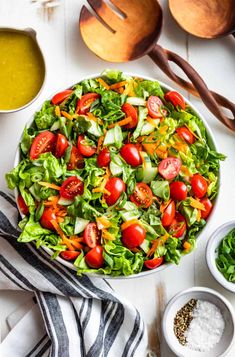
82, 316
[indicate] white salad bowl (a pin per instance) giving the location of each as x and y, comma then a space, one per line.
212, 144
200, 293
212, 254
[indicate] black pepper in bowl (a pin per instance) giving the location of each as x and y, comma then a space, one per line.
183, 319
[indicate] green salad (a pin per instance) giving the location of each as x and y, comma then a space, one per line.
116, 175
225, 260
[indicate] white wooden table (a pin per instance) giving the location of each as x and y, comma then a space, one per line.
68, 61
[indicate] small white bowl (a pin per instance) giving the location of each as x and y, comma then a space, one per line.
211, 254
178, 301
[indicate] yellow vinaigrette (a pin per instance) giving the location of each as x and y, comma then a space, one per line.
22, 69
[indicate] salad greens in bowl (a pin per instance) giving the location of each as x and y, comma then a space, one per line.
220, 255
116, 175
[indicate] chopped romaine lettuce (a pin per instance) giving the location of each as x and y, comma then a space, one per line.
161, 189
45, 117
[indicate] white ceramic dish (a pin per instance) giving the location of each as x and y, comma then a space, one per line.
211, 140
177, 302
211, 254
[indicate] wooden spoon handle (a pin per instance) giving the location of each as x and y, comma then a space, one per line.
214, 102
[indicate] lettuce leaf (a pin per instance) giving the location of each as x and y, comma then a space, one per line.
161, 189
193, 122
32, 231
26, 141
119, 261
146, 88
225, 260
12, 177
45, 117
189, 213
52, 166
81, 125
173, 253
113, 76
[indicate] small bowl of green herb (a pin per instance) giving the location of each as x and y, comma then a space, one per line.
220, 255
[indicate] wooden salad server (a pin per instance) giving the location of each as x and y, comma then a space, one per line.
205, 18
126, 30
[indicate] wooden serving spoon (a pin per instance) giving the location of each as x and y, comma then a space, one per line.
134, 34
205, 18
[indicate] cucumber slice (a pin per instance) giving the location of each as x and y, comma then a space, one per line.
139, 174
145, 246
80, 225
146, 175
146, 159
136, 101
129, 215
147, 129
64, 202
95, 129
115, 169
130, 206
130, 211
55, 125
33, 191
114, 137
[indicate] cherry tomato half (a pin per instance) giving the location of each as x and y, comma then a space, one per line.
115, 186
48, 216
61, 145
103, 158
208, 207
175, 98
84, 148
84, 104
24, 209
153, 263
59, 97
178, 226
133, 236
154, 106
71, 187
69, 254
131, 155
199, 185
91, 235
185, 134
178, 190
76, 160
43, 142
142, 195
94, 258
170, 167
169, 214
130, 111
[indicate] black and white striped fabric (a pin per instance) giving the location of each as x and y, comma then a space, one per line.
82, 316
